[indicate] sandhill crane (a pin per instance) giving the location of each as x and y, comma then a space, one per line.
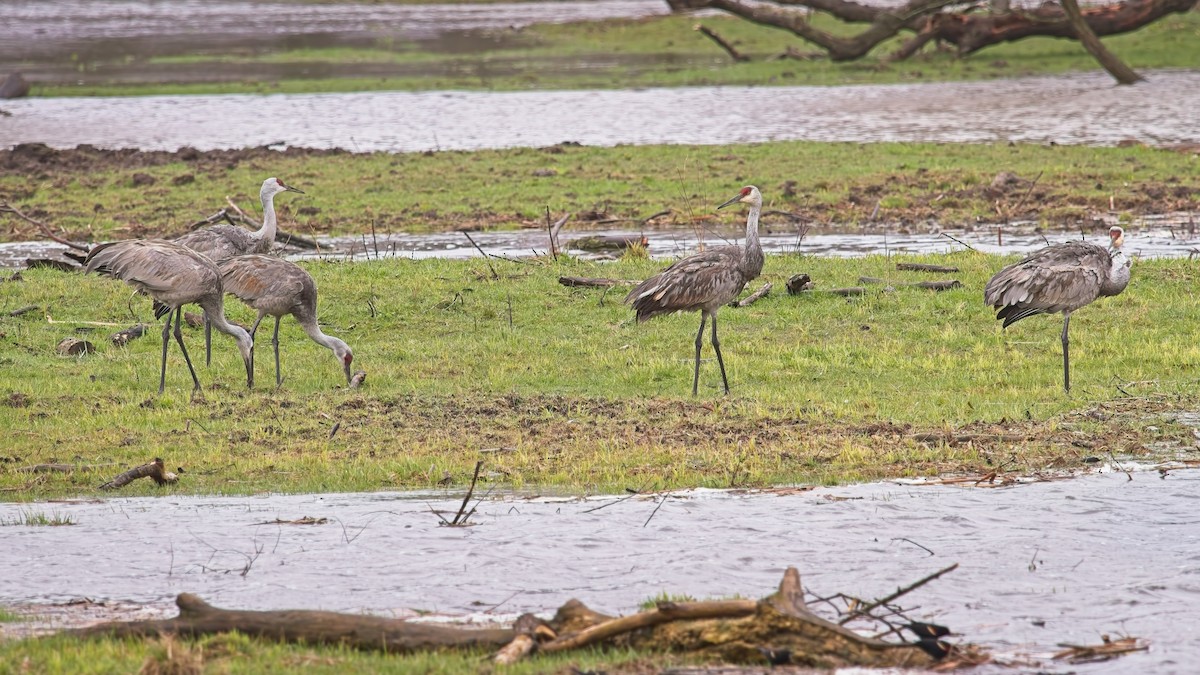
222, 241
705, 281
1059, 278
174, 276
275, 288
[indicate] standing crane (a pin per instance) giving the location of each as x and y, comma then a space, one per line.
222, 241
1059, 278
174, 276
276, 287
704, 282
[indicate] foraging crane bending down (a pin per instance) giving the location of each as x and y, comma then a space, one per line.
1059, 278
277, 287
174, 276
222, 241
705, 281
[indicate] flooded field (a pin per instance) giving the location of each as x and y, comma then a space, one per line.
1163, 237
1069, 109
112, 28
1041, 563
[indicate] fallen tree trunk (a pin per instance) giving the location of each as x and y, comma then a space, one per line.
197, 618
968, 31
736, 631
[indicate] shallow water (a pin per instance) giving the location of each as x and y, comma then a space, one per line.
1043, 563
1165, 237
1069, 109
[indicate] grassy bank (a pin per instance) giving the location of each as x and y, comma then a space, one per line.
661, 51
97, 195
237, 653
581, 398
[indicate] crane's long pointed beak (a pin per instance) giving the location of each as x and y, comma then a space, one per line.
346, 367
732, 200
292, 189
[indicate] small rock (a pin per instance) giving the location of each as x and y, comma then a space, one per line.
14, 86
140, 179
183, 179
545, 173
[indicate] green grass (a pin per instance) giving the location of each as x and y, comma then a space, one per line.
7, 616
824, 389
661, 51
240, 654
33, 518
92, 195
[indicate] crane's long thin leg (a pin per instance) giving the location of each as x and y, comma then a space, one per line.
275, 340
699, 342
1066, 354
162, 378
253, 330
179, 339
207, 341
717, 349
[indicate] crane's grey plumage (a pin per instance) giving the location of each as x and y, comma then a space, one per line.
174, 276
276, 287
1059, 278
223, 241
704, 282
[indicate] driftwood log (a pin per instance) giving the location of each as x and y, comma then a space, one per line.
154, 470
124, 337
736, 631
594, 282
608, 242
939, 285
922, 267
197, 618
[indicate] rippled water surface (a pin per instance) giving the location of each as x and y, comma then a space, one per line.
1044, 563
1071, 109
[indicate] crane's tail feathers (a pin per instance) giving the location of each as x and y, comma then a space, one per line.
160, 310
1014, 313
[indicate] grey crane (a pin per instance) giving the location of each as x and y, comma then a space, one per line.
276, 287
222, 241
1059, 278
704, 282
174, 276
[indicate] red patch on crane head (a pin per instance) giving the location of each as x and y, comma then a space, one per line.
745, 191
348, 358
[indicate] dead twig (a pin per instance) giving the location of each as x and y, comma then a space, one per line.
721, 42
460, 518
948, 236
5, 207
753, 297
486, 258
861, 611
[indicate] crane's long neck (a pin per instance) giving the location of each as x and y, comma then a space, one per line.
1118, 273
309, 324
752, 258
268, 229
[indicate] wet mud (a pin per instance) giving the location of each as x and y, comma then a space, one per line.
1040, 563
